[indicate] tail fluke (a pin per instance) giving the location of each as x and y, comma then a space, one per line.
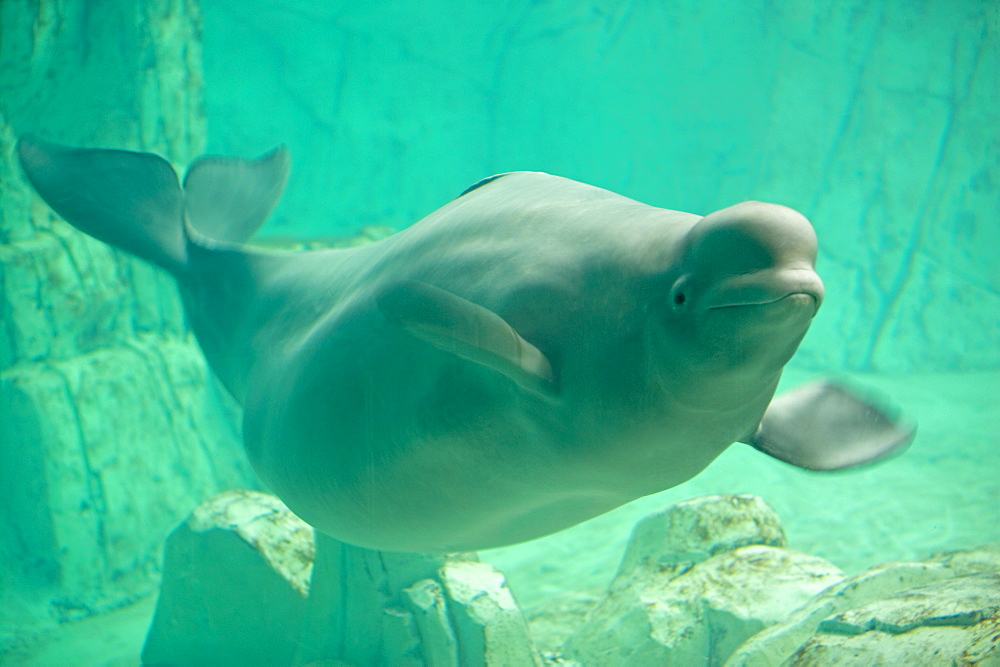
228, 199
134, 201
129, 200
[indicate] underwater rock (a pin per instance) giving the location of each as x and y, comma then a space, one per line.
555, 619
382, 607
89, 488
692, 531
951, 601
696, 580
235, 579
102, 453
295, 597
486, 626
955, 621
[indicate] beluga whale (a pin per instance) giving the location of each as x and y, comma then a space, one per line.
534, 353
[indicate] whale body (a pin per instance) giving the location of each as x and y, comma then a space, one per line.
536, 352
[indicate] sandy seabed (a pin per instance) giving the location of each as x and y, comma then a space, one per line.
940, 495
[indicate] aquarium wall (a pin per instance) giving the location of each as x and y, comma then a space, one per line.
875, 119
110, 429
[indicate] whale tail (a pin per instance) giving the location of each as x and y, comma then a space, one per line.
134, 201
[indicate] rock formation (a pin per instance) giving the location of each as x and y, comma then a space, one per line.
241, 587
696, 580
111, 428
942, 610
707, 581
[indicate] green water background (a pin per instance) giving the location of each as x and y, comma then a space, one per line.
878, 120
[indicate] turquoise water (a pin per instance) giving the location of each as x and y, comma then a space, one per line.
876, 120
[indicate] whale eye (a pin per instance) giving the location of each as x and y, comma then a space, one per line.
678, 293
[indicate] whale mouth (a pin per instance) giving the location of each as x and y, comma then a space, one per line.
792, 299
793, 287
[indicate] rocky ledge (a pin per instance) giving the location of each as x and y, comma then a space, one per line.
707, 581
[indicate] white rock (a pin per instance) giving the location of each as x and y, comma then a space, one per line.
468, 617
490, 627
692, 531
955, 621
246, 583
689, 592
234, 585
877, 590
262, 521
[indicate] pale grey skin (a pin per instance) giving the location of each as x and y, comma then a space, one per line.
534, 353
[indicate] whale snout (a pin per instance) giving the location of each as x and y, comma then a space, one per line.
766, 286
750, 254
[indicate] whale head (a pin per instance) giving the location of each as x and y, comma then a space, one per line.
740, 296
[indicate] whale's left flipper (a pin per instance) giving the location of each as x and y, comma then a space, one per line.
826, 426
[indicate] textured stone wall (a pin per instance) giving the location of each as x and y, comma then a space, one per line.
876, 119
111, 429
